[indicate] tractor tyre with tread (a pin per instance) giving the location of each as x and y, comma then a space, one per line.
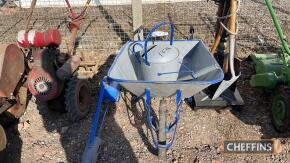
280, 108
77, 99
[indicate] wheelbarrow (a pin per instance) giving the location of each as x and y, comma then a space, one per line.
149, 69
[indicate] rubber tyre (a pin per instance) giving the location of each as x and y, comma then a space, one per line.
280, 109
77, 99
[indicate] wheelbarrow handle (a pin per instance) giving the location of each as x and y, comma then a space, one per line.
133, 50
150, 35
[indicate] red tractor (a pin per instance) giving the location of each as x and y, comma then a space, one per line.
37, 65
48, 74
51, 78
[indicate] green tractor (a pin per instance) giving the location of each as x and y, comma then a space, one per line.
273, 74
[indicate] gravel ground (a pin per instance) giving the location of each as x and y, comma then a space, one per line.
45, 136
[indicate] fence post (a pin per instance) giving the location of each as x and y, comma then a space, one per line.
137, 19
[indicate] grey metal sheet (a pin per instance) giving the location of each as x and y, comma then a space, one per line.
126, 71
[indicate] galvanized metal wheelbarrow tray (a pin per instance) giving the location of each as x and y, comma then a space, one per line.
197, 70
195, 56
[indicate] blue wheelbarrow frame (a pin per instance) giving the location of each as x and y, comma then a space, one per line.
123, 73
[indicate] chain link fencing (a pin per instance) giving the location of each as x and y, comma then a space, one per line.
109, 23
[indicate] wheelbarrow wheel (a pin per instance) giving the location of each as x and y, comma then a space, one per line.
280, 108
3, 141
162, 131
77, 99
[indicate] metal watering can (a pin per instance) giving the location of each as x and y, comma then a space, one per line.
161, 61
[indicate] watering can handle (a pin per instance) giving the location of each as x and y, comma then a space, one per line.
150, 34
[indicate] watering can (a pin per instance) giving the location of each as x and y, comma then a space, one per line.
160, 62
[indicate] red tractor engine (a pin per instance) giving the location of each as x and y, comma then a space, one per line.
42, 80
51, 37
51, 70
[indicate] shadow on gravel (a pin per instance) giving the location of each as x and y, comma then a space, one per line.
137, 118
257, 109
115, 148
12, 153
12, 126
74, 136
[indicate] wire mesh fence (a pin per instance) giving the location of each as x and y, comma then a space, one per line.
191, 19
104, 28
108, 23
257, 31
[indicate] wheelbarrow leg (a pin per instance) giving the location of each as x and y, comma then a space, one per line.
162, 131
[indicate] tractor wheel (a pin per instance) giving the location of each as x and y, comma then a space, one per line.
280, 108
3, 142
77, 99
